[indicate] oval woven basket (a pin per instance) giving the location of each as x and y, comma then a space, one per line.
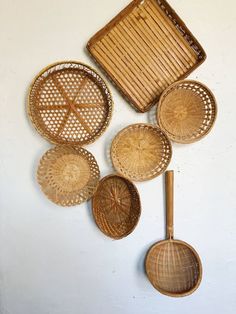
187, 111
141, 152
116, 206
69, 103
68, 175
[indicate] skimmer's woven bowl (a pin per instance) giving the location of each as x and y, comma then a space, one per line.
68, 175
69, 103
141, 152
173, 267
187, 111
116, 206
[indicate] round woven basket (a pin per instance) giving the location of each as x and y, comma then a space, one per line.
141, 152
186, 111
69, 103
116, 206
68, 175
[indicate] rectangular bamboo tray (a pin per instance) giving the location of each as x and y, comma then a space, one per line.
144, 49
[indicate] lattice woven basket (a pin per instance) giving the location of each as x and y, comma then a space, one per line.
116, 206
68, 175
141, 152
69, 103
187, 111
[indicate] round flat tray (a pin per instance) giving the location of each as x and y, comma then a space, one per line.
186, 111
68, 175
69, 103
141, 152
116, 206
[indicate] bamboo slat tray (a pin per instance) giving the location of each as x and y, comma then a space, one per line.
187, 111
116, 206
69, 103
141, 152
68, 175
144, 49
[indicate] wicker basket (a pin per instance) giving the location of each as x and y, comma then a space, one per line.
68, 175
141, 152
116, 206
187, 111
69, 103
144, 49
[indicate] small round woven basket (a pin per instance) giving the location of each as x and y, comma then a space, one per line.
69, 103
68, 175
116, 206
141, 152
186, 111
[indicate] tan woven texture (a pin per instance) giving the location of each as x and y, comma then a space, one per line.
187, 111
174, 268
144, 49
68, 175
141, 152
116, 206
69, 103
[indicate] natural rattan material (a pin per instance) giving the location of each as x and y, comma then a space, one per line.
144, 49
68, 175
141, 152
173, 267
69, 103
187, 111
116, 206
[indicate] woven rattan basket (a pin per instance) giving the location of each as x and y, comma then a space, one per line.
187, 111
116, 206
69, 103
141, 152
144, 49
68, 175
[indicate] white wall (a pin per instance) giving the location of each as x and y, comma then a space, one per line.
55, 260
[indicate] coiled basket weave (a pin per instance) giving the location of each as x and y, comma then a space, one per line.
69, 103
187, 111
68, 175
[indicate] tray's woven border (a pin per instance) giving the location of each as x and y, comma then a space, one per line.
179, 25
90, 71
182, 28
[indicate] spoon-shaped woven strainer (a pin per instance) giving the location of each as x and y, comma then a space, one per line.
172, 266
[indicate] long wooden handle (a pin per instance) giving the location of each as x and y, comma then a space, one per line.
169, 186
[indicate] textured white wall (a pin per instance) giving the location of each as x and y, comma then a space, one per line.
55, 260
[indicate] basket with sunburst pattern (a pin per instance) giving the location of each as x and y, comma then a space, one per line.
116, 206
141, 152
68, 175
187, 111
